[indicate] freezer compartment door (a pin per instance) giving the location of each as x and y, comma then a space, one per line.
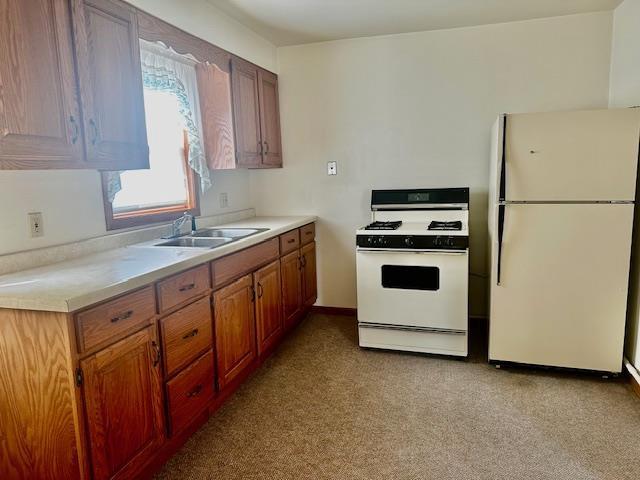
572, 156
562, 293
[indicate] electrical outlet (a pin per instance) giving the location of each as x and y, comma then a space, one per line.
332, 168
224, 200
35, 224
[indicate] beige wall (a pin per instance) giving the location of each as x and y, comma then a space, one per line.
624, 89
625, 92
71, 202
415, 110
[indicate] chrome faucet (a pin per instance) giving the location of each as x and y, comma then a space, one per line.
176, 226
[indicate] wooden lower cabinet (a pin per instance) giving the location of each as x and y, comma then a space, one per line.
309, 281
269, 319
291, 287
235, 329
82, 394
124, 406
189, 393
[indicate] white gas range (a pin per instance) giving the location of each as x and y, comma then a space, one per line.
413, 268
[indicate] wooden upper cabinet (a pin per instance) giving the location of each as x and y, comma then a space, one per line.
110, 74
269, 119
235, 329
214, 89
40, 124
124, 408
256, 116
246, 110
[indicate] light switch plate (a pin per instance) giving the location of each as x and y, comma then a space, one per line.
332, 168
224, 200
35, 224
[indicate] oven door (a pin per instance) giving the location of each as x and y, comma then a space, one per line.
424, 289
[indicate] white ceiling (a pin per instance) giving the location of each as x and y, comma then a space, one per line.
291, 22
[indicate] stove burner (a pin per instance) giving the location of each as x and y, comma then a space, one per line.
383, 225
435, 225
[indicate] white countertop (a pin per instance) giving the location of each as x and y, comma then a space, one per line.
75, 284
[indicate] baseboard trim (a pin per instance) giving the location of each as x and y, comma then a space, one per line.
634, 377
349, 312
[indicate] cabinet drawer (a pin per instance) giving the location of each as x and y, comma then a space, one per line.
289, 241
190, 392
116, 318
245, 261
182, 287
186, 334
307, 233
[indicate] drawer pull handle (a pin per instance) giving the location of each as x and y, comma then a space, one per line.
196, 391
291, 240
260, 290
308, 233
186, 288
192, 333
123, 316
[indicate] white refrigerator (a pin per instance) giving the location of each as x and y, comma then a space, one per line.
562, 196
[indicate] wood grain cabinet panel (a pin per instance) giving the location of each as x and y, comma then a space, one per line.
289, 241
123, 401
235, 329
307, 233
309, 280
290, 267
246, 109
189, 393
186, 334
114, 319
269, 319
182, 287
237, 264
269, 119
40, 121
110, 74
256, 116
39, 415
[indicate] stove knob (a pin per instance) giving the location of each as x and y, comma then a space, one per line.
450, 242
408, 241
370, 240
383, 241
437, 242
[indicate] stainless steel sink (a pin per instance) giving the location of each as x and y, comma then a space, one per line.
234, 233
191, 242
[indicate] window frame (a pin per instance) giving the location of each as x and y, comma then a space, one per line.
149, 216
153, 29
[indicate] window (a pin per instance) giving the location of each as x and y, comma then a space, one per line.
167, 189
177, 166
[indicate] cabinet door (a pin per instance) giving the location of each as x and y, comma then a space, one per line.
268, 305
269, 119
291, 287
123, 401
309, 282
235, 329
108, 52
39, 111
246, 113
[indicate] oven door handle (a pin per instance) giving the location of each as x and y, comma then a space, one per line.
406, 250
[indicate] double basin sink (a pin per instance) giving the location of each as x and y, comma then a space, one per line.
210, 237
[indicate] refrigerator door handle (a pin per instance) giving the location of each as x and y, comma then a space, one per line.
501, 215
502, 195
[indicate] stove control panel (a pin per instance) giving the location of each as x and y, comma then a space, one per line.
413, 242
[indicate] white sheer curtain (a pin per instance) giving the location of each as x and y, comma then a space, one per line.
166, 70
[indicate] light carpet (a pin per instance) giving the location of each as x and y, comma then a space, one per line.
322, 408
